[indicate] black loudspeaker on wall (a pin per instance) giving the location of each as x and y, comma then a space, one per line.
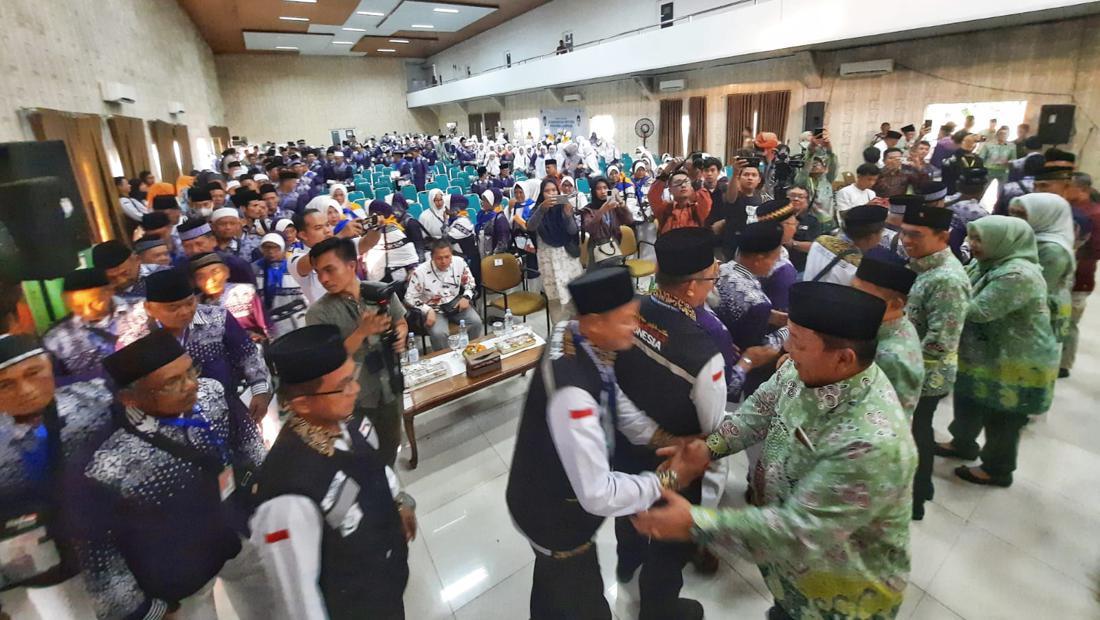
42, 221
814, 115
1056, 123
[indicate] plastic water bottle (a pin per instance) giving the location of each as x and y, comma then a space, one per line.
508, 321
412, 354
463, 337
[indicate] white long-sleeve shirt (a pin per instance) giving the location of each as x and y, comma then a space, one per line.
133, 208
287, 530
429, 288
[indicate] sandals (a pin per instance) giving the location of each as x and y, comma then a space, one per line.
942, 449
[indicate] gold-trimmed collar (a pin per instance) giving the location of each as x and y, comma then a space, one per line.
322, 440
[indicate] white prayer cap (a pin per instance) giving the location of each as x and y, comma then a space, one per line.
223, 212
260, 177
232, 184
282, 224
275, 238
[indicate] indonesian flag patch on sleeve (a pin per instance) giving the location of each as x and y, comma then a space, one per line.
578, 414
717, 376
276, 536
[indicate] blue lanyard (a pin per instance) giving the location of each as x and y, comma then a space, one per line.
199, 420
37, 459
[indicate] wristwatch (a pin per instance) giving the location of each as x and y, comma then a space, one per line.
404, 500
669, 479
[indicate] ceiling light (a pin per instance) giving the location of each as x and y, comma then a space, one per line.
386, 49
370, 13
354, 29
452, 11
295, 19
286, 47
343, 42
423, 26
399, 40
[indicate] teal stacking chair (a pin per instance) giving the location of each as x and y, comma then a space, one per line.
582, 185
381, 193
354, 196
454, 190
409, 192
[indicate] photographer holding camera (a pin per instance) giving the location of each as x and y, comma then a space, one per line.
365, 325
443, 289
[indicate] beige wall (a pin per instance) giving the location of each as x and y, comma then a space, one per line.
281, 98
1061, 59
55, 52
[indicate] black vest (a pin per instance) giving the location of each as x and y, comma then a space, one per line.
658, 375
364, 561
540, 498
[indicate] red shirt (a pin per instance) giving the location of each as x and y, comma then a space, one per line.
670, 216
1089, 253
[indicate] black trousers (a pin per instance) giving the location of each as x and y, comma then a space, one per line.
662, 564
569, 589
1002, 435
777, 613
925, 439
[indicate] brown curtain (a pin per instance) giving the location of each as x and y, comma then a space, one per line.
83, 138
671, 127
774, 107
179, 132
129, 136
739, 109
697, 124
220, 137
163, 136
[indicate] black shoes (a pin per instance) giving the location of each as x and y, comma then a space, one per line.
1063, 373
994, 481
684, 609
705, 562
942, 449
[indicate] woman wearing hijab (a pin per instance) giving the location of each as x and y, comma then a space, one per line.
601, 221
413, 230
1051, 217
434, 219
559, 249
493, 230
569, 186
1008, 358
339, 193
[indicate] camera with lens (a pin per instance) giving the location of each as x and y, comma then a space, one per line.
380, 293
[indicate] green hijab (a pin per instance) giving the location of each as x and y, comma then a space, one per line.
1003, 238
1050, 217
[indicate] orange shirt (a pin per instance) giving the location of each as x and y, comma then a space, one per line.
670, 216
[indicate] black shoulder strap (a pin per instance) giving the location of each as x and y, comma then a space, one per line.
833, 263
207, 462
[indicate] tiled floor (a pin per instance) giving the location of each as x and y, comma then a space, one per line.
1031, 551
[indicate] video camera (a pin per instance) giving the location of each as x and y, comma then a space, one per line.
379, 293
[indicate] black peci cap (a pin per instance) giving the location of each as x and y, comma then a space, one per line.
760, 237
308, 353
83, 279
142, 357
836, 310
886, 274
938, 218
602, 290
110, 254
168, 285
684, 251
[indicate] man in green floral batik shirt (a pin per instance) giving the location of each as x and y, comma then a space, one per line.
898, 354
937, 308
831, 531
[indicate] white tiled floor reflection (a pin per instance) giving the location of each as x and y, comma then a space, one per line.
1028, 552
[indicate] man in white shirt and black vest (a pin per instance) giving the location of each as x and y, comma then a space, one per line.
561, 486
332, 526
678, 372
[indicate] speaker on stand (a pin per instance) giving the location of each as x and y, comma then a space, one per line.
1056, 124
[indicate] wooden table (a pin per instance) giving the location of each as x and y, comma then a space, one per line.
441, 392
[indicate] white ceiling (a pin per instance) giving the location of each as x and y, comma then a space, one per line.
397, 16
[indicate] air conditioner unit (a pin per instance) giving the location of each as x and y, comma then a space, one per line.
573, 98
114, 92
866, 69
671, 86
175, 107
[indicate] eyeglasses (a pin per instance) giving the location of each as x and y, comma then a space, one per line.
345, 387
179, 384
680, 183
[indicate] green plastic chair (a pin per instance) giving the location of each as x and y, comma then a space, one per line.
378, 167
454, 190
354, 196
422, 199
409, 192
582, 185
380, 194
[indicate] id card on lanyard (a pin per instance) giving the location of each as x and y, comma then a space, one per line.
26, 549
227, 482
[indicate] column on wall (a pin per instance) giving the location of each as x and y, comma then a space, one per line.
670, 127
128, 134
83, 140
697, 124
163, 135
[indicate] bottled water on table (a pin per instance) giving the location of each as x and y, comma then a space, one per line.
508, 322
463, 336
412, 354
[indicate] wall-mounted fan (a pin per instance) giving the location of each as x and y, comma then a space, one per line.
644, 129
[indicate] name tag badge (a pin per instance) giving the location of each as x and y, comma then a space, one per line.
226, 483
497, 262
27, 554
